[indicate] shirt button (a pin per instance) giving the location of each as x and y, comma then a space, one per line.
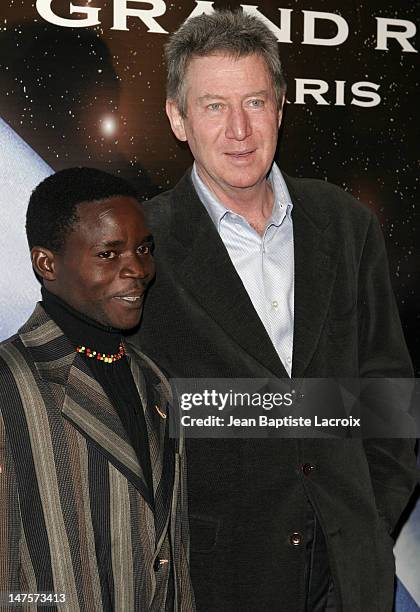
295, 539
275, 304
307, 468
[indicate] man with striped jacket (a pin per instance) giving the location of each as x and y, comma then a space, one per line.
92, 491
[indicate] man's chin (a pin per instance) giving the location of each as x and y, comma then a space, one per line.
128, 327
243, 181
124, 316
125, 324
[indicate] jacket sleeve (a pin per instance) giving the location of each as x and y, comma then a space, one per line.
383, 354
10, 522
187, 603
16, 569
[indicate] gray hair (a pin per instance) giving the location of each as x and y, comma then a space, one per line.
232, 33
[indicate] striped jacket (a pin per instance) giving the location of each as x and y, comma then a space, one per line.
74, 514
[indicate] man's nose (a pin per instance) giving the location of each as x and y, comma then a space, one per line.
137, 266
238, 124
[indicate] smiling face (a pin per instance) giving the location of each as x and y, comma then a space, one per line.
106, 263
232, 121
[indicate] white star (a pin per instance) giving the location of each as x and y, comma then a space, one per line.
108, 125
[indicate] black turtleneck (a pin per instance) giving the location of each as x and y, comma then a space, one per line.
115, 378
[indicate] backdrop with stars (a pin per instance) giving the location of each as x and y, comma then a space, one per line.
95, 96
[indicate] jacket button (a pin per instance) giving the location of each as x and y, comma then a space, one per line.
307, 468
295, 539
159, 562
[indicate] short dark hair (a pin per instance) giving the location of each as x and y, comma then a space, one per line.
52, 208
234, 33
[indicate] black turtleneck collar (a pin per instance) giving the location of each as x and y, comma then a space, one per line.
80, 329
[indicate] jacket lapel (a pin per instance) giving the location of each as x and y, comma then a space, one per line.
206, 272
162, 451
80, 398
315, 271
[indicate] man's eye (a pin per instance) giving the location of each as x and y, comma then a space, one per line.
215, 106
145, 249
256, 103
107, 255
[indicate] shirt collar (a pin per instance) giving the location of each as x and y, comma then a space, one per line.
217, 211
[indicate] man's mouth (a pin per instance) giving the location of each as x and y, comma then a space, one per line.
131, 297
240, 154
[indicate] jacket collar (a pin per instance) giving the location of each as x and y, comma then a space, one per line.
316, 261
84, 403
206, 271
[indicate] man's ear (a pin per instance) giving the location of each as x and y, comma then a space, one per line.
44, 263
175, 119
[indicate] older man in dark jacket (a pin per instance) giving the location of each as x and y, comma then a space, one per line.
261, 275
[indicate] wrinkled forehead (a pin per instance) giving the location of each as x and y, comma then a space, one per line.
101, 208
225, 54
202, 68
112, 216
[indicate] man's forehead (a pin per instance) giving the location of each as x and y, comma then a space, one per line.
225, 80
220, 56
110, 201
210, 96
104, 208
203, 69
103, 217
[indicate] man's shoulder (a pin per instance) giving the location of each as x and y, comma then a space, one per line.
182, 187
159, 208
10, 350
6, 344
160, 200
13, 343
320, 197
17, 344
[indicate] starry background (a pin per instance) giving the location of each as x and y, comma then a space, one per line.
95, 96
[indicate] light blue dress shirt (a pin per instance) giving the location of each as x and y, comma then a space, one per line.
264, 263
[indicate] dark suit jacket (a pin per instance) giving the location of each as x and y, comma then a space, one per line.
75, 517
246, 497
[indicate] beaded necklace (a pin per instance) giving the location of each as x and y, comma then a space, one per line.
105, 357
